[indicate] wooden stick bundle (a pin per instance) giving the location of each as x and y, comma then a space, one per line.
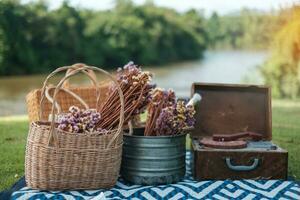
136, 88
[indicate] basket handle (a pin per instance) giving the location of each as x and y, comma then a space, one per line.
88, 72
57, 106
43, 90
59, 85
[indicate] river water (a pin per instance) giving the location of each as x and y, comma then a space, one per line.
214, 67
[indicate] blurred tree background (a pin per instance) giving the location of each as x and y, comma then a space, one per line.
282, 70
35, 39
247, 29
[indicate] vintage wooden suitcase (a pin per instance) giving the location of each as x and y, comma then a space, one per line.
227, 109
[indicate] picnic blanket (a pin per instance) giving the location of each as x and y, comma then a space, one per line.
186, 189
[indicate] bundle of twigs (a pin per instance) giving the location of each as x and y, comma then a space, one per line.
160, 99
136, 88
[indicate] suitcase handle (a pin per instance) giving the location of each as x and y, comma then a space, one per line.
242, 167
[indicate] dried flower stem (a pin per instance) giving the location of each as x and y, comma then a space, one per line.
136, 88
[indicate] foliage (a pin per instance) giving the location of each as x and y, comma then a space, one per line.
282, 70
22, 37
247, 29
34, 39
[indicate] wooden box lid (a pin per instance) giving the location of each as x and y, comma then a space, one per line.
227, 109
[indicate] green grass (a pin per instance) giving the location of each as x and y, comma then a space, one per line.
286, 132
13, 132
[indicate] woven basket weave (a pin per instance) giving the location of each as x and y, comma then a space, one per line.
87, 93
58, 160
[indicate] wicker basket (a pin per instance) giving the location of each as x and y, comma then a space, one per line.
87, 93
58, 160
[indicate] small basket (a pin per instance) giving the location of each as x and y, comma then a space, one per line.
58, 160
87, 93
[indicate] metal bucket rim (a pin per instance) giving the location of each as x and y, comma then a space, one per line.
153, 137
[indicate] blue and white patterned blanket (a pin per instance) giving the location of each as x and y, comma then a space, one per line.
186, 189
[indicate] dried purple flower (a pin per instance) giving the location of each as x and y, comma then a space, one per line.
79, 121
174, 119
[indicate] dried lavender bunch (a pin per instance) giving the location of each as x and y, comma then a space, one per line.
190, 116
133, 76
161, 96
136, 87
164, 123
166, 116
175, 119
180, 119
80, 121
160, 99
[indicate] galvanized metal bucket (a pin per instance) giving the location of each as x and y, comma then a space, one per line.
153, 160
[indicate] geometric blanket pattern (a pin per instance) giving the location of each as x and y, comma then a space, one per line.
186, 189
